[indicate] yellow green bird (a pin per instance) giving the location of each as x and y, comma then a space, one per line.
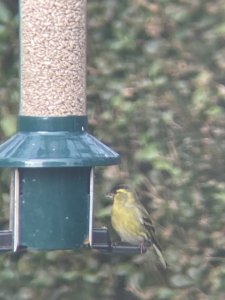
132, 221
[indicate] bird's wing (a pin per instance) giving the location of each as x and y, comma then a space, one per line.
149, 229
146, 221
145, 218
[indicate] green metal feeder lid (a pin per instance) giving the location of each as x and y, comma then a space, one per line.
54, 142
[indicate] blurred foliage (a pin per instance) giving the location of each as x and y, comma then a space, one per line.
156, 94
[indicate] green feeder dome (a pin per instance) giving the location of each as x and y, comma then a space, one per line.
54, 142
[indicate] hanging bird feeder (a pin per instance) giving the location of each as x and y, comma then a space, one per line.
52, 156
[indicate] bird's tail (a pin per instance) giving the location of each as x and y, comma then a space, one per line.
158, 252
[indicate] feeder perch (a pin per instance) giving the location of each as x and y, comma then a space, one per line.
102, 242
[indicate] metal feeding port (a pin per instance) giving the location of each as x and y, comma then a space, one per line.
101, 241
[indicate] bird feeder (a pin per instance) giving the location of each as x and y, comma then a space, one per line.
52, 156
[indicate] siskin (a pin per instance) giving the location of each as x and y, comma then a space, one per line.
132, 222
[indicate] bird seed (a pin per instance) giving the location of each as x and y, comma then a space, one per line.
53, 57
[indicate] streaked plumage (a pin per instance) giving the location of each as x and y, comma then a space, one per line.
132, 221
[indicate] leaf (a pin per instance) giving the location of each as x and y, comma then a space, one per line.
8, 125
181, 281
